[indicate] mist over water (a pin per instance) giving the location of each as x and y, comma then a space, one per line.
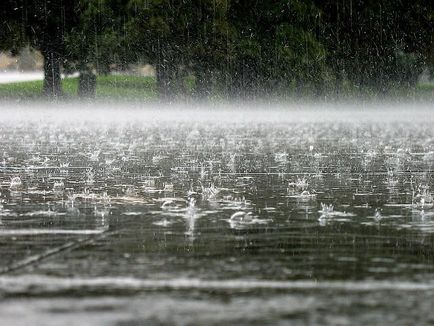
250, 212
98, 112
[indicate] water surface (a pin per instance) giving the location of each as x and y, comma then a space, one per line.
308, 216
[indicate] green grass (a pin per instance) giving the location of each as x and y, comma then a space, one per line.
126, 87
31, 89
108, 87
425, 89
135, 88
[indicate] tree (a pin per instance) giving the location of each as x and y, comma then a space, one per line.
181, 38
156, 30
12, 36
276, 47
43, 25
377, 45
236, 47
210, 45
95, 42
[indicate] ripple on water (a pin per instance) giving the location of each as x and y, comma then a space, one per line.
212, 202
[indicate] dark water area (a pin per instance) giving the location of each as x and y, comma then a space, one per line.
174, 219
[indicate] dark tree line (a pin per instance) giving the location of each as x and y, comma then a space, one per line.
42, 25
378, 44
230, 48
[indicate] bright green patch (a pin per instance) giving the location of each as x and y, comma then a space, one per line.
426, 88
108, 87
137, 88
128, 87
30, 90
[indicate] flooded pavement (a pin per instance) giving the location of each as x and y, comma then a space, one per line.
170, 218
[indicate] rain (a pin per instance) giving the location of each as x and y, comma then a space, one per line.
216, 162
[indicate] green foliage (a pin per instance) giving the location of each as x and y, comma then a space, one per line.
276, 48
377, 45
209, 48
95, 43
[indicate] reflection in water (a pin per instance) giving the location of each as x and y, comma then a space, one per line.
190, 218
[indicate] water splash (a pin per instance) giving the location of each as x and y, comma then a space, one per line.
15, 184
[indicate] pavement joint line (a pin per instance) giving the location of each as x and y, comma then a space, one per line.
37, 259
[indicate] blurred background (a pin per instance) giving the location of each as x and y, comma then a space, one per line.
217, 49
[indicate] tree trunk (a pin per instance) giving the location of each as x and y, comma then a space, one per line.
52, 79
86, 85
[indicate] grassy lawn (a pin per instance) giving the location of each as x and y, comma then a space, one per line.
135, 88
425, 90
108, 87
